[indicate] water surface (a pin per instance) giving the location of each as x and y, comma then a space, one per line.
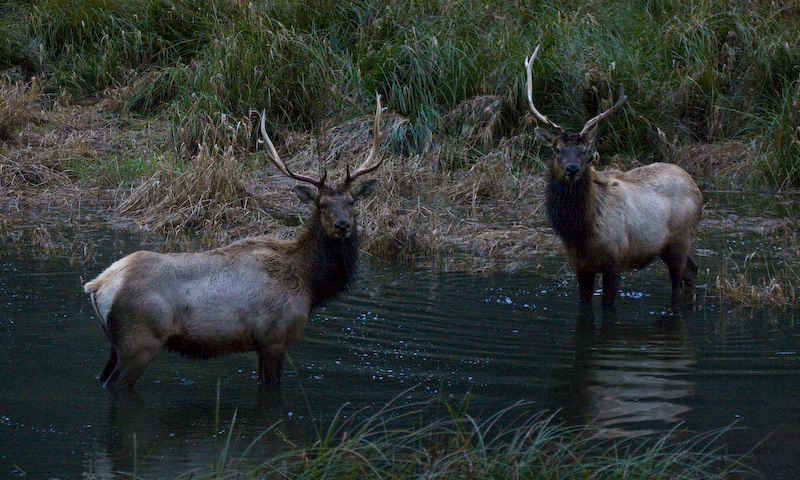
498, 338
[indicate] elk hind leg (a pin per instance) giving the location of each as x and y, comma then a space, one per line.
132, 360
585, 286
676, 257
270, 365
110, 365
690, 273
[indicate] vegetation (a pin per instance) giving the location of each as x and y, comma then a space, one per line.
138, 102
144, 110
399, 442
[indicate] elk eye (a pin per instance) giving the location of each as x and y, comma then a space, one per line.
558, 149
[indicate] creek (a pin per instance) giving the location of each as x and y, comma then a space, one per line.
409, 332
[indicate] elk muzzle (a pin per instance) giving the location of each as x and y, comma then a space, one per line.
342, 228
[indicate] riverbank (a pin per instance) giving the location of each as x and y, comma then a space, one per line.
141, 114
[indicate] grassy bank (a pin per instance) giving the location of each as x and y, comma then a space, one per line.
138, 104
695, 72
437, 440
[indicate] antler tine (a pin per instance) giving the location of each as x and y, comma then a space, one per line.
273, 155
365, 166
591, 123
529, 88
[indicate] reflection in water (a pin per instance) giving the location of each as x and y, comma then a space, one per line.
136, 433
631, 379
496, 339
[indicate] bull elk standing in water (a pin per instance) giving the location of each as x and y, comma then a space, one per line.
612, 221
254, 294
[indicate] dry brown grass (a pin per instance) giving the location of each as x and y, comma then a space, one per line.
18, 106
212, 197
778, 287
480, 121
453, 219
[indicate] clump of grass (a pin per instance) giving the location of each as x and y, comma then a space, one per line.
778, 287
782, 142
428, 441
20, 176
211, 196
17, 106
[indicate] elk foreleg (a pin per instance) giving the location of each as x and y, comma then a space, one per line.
270, 365
611, 281
585, 286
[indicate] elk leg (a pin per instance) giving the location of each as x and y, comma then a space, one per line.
677, 259
131, 363
690, 273
585, 287
110, 365
611, 280
270, 366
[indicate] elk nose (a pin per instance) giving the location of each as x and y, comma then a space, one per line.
342, 225
572, 169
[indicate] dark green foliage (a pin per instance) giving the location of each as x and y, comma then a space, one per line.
695, 71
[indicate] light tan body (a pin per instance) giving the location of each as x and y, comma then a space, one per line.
255, 294
640, 213
247, 296
613, 221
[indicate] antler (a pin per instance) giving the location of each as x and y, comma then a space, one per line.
365, 166
591, 123
529, 88
273, 155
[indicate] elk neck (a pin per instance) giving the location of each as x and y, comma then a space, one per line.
572, 206
330, 263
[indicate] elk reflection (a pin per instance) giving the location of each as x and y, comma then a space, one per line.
628, 379
167, 439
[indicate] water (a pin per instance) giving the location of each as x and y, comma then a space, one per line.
498, 338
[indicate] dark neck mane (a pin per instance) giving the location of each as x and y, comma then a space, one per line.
569, 207
330, 264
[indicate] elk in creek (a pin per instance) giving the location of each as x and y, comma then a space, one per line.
611, 221
255, 294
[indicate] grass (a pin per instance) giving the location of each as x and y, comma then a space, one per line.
777, 287
713, 72
134, 102
438, 440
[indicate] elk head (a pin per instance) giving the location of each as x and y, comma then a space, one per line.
334, 204
573, 151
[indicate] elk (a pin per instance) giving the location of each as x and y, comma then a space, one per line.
255, 294
611, 221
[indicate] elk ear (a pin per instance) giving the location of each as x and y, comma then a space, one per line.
305, 193
545, 136
364, 189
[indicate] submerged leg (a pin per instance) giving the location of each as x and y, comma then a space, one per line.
676, 257
132, 360
585, 287
611, 281
270, 365
110, 365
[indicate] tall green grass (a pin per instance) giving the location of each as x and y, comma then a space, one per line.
436, 440
698, 71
